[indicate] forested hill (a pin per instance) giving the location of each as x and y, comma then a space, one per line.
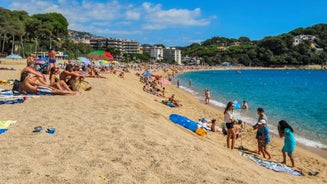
301, 46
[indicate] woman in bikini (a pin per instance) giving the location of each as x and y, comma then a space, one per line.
55, 81
230, 120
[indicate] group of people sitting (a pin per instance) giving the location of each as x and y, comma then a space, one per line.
212, 125
69, 81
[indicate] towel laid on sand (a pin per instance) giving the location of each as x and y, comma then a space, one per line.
275, 166
4, 125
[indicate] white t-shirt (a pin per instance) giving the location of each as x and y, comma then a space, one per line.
228, 116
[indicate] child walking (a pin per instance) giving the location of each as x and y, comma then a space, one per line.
265, 138
285, 130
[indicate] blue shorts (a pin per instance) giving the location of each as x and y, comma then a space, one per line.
42, 90
52, 60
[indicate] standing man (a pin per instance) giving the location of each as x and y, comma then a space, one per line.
207, 96
190, 83
178, 83
52, 58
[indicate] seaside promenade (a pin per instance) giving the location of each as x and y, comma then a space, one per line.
117, 133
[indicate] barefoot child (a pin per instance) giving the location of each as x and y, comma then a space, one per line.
265, 138
285, 130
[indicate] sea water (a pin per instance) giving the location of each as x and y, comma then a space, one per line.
297, 96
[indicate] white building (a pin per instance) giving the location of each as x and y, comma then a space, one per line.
300, 38
155, 52
173, 54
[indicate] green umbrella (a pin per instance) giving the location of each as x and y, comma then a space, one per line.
101, 54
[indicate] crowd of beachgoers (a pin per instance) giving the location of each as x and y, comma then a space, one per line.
156, 81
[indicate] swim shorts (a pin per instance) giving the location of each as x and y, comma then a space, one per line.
42, 90
52, 60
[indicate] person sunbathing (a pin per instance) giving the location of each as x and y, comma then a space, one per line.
74, 79
239, 127
55, 81
36, 76
173, 100
28, 86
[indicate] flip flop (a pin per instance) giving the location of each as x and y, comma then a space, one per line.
37, 129
51, 130
313, 173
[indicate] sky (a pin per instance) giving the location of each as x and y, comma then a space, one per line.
180, 22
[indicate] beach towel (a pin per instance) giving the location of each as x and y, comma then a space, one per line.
4, 125
6, 92
11, 100
275, 166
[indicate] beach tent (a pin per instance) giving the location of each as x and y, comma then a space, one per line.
226, 64
101, 54
14, 56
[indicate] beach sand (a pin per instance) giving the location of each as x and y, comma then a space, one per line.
116, 133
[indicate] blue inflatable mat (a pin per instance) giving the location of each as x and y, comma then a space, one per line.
184, 121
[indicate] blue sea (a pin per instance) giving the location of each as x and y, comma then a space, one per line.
297, 96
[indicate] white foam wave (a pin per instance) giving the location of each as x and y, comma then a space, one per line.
218, 104
189, 90
311, 143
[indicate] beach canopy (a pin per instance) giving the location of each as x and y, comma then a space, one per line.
14, 56
101, 54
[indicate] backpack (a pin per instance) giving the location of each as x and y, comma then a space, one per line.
15, 87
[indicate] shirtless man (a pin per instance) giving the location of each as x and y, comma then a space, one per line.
52, 58
69, 74
28, 86
31, 57
74, 79
37, 75
207, 96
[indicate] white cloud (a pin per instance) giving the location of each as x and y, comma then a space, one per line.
113, 17
156, 18
133, 15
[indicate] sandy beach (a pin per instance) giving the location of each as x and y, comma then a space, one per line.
117, 133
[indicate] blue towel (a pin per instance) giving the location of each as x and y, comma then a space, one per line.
275, 166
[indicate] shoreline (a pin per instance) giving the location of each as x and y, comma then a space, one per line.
322, 152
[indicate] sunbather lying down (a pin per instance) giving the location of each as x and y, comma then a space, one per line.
172, 100
29, 86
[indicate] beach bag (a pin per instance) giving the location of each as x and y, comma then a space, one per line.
81, 86
201, 132
15, 87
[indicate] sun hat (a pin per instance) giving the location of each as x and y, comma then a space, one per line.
203, 120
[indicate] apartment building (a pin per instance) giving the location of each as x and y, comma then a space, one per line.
124, 46
173, 54
155, 52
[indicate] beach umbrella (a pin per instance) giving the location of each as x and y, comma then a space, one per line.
104, 63
164, 81
84, 60
14, 56
101, 54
